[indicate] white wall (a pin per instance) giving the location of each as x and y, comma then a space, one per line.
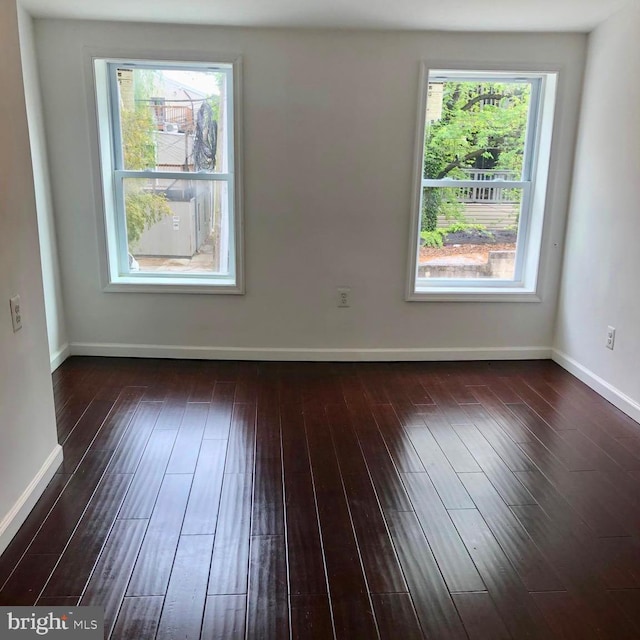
28, 449
602, 266
329, 127
53, 302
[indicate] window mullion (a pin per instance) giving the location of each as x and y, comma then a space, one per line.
173, 175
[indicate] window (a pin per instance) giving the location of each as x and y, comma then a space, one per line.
168, 133
482, 167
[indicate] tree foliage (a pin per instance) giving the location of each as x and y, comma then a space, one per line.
482, 126
138, 144
143, 207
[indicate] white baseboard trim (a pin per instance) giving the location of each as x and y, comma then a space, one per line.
317, 355
11, 522
616, 397
59, 356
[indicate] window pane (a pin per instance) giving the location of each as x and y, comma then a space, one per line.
469, 232
476, 130
177, 226
173, 120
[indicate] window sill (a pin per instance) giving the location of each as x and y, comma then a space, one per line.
472, 294
173, 285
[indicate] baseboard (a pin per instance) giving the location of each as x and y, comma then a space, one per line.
58, 357
313, 355
10, 524
616, 397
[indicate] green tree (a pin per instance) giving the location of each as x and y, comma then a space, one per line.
482, 126
144, 207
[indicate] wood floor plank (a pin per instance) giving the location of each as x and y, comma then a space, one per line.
396, 616
574, 488
572, 459
435, 608
84, 432
153, 566
534, 570
204, 383
500, 414
68, 601
629, 601
187, 444
220, 410
538, 404
345, 441
351, 604
577, 565
373, 381
307, 573
201, 516
69, 414
404, 455
224, 618
453, 448
138, 618
108, 583
171, 413
516, 607
503, 435
184, 603
353, 391
295, 457
564, 615
242, 439
384, 474
443, 399
119, 419
376, 549
481, 619
64, 516
228, 573
148, 476
458, 570
311, 617
26, 582
130, 449
267, 601
268, 494
247, 384
76, 563
506, 483
580, 410
444, 478
19, 544
409, 414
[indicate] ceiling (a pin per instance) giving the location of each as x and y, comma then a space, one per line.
463, 15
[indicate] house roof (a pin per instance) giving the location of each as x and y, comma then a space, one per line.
462, 15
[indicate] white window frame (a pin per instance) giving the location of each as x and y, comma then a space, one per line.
524, 286
116, 274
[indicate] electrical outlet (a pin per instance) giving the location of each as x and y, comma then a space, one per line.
344, 297
16, 313
611, 337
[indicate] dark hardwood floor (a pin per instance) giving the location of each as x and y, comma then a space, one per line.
228, 500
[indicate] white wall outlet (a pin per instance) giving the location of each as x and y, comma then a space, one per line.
344, 296
611, 337
16, 313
